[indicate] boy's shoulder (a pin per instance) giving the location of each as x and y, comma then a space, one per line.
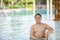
44, 24
33, 25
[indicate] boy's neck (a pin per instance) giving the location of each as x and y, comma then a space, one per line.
38, 23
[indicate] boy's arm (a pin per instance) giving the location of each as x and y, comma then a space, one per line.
32, 32
50, 29
46, 36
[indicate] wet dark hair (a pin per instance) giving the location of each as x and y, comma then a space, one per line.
37, 14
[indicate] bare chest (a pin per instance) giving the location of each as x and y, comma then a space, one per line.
39, 28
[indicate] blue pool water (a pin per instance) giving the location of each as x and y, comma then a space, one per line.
16, 26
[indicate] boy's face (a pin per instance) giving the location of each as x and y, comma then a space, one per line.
38, 19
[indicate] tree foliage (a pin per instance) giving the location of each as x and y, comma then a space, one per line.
16, 3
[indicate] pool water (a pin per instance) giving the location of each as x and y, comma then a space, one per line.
16, 26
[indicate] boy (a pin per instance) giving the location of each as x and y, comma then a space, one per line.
38, 30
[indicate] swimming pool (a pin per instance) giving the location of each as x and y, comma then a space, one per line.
16, 26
